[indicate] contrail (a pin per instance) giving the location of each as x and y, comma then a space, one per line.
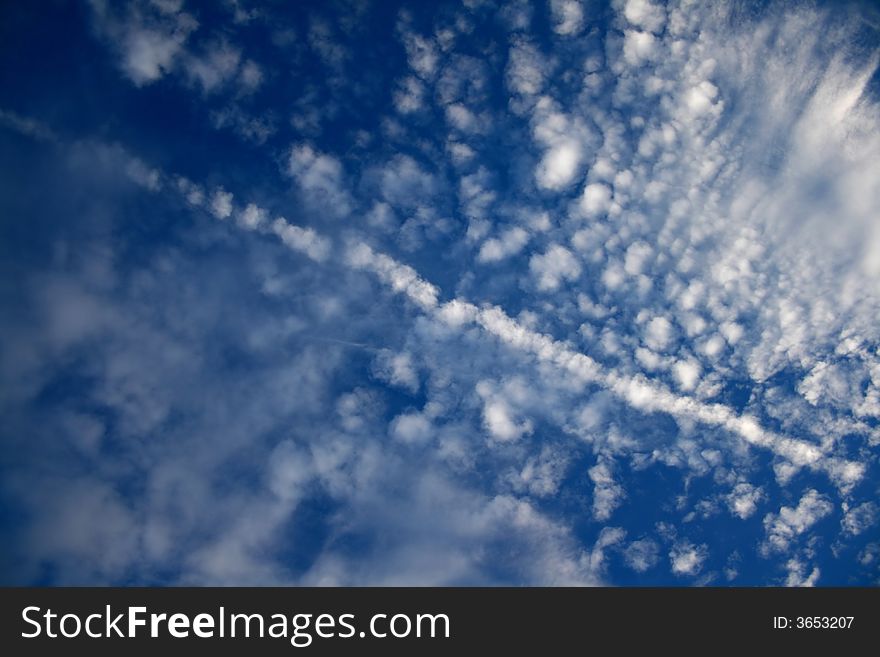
347, 343
635, 390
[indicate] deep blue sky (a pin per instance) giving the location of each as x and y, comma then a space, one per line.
456, 293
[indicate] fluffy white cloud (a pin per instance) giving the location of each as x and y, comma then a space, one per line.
421, 53
500, 418
784, 527
305, 240
687, 559
642, 555
860, 518
462, 118
542, 473
526, 69
638, 47
608, 494
687, 374
221, 203
401, 278
659, 333
565, 139
596, 199
153, 40
149, 54
143, 175
320, 177
500, 423
215, 67
554, 266
192, 193
509, 243
743, 500
252, 217
405, 183
25, 125
411, 428
797, 574
560, 165
637, 254
410, 95
398, 369
252, 128
644, 14
568, 16
250, 77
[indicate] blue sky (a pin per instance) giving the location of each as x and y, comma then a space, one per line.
453, 293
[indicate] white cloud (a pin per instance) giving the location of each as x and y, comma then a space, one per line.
193, 193
66, 531
462, 118
609, 537
830, 383
509, 243
457, 313
405, 183
476, 194
499, 421
148, 54
565, 139
541, 475
638, 47
860, 518
305, 240
325, 43
642, 555
659, 333
526, 69
411, 428
217, 66
699, 99
687, 559
644, 14
250, 77
596, 199
401, 278
410, 95
743, 500
398, 369
253, 128
252, 217
461, 153
687, 374
797, 574
784, 527
568, 16
421, 53
608, 494
320, 177
143, 175
554, 266
560, 165
221, 203
150, 41
637, 254
26, 126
